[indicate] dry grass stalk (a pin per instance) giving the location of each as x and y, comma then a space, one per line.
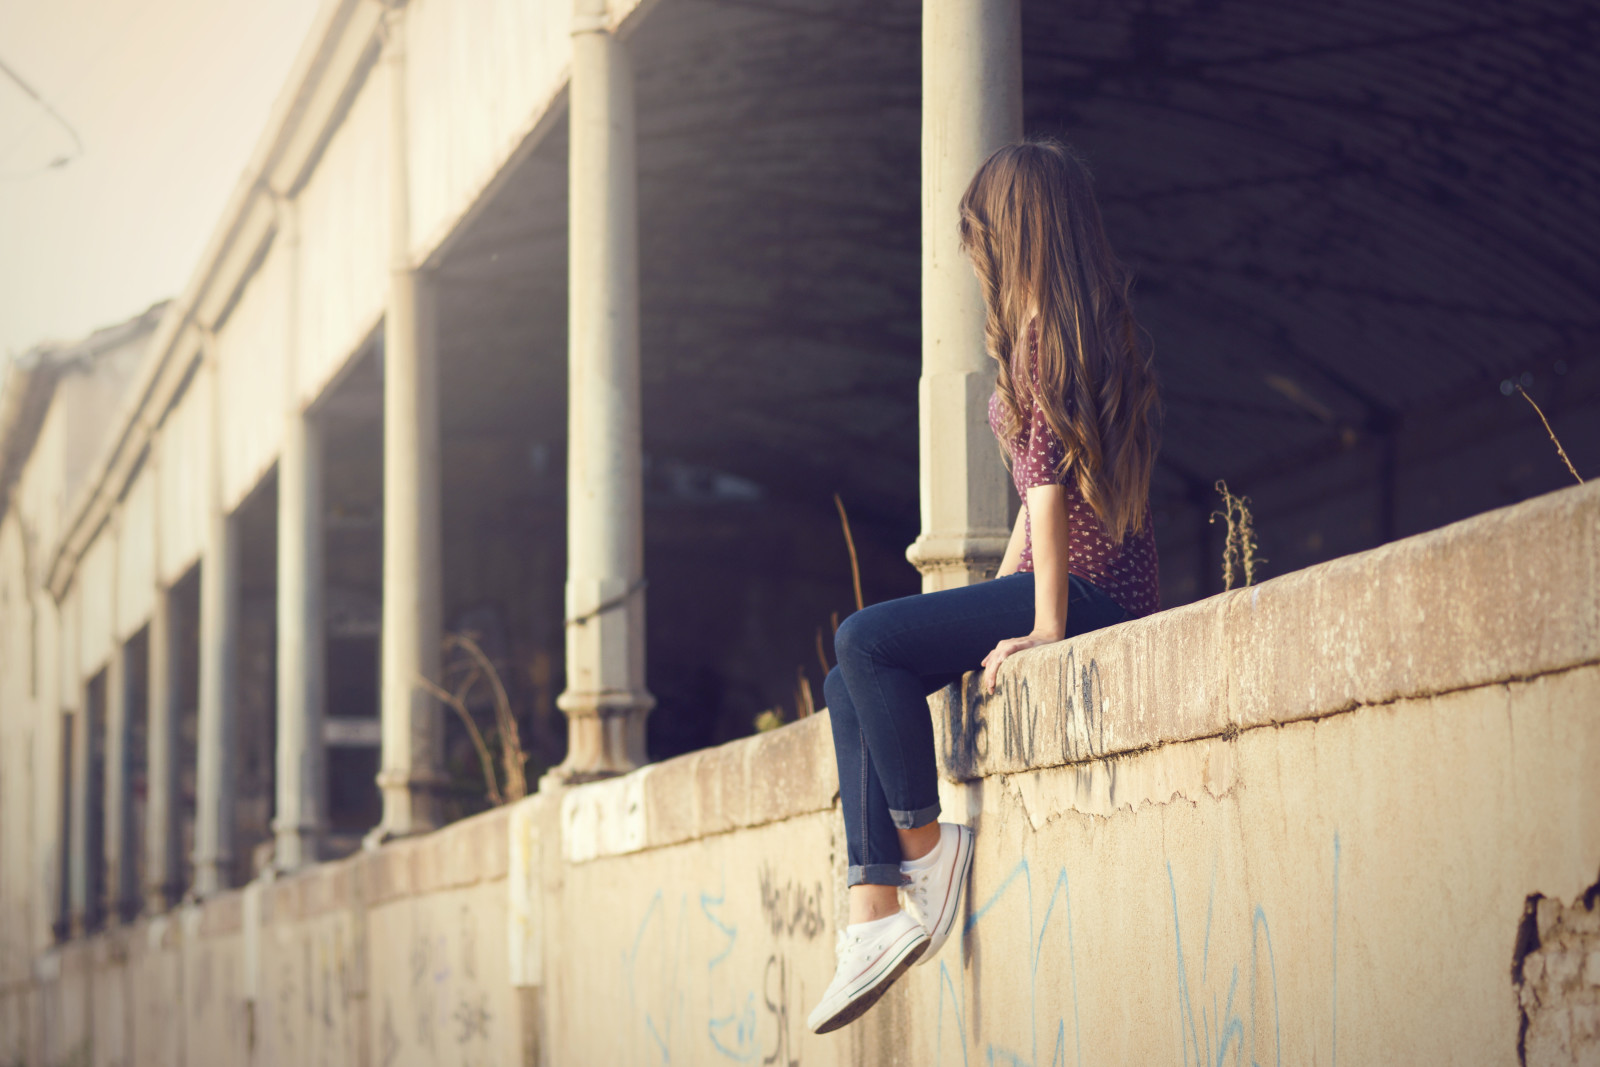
511, 755
1553, 438
803, 703
805, 700
457, 700
1239, 549
850, 543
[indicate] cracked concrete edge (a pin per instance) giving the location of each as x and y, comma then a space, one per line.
1204, 769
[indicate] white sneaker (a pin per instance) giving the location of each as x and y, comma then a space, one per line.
868, 966
933, 895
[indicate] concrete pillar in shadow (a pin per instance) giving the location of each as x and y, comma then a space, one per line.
410, 771
219, 666
971, 105
605, 701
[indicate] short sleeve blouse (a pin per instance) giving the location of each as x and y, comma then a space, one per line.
1128, 572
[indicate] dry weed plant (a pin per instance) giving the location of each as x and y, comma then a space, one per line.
1239, 550
804, 700
1553, 438
803, 703
513, 758
850, 543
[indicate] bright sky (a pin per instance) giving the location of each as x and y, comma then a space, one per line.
170, 98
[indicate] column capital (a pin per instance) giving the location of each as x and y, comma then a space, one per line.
950, 560
590, 16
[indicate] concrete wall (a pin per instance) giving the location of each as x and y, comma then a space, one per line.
1350, 815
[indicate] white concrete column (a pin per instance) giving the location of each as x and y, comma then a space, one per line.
299, 819
605, 700
300, 812
413, 582
971, 105
162, 863
219, 666
51, 818
120, 889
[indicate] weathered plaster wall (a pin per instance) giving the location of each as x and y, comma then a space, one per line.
1375, 839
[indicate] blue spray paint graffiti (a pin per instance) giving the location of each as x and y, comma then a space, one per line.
1222, 1030
1230, 1024
732, 1033
995, 1053
659, 1018
680, 971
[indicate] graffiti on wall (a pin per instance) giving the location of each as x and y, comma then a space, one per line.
442, 1010
791, 908
1063, 720
1227, 1013
309, 979
702, 988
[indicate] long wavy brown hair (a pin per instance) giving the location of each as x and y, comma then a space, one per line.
1030, 223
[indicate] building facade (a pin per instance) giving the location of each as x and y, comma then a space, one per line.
520, 305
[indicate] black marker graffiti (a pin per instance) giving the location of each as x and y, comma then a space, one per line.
1037, 725
782, 1052
791, 908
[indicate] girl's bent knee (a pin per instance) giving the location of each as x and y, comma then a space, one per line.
855, 636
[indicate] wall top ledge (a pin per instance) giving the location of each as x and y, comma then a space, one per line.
1506, 595
1510, 594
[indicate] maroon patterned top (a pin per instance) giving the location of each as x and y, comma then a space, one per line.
1127, 572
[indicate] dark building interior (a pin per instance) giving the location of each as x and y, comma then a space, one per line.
1357, 231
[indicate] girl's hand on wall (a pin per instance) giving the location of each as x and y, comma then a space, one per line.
1006, 648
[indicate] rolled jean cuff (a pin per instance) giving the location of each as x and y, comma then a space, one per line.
875, 874
910, 820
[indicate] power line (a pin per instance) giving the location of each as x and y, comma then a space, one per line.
77, 142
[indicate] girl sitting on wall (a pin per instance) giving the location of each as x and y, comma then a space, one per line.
1072, 408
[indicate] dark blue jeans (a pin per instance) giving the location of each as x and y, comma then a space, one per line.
891, 657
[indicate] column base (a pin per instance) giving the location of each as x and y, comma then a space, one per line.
295, 845
605, 735
410, 807
950, 561
211, 876
121, 911
160, 899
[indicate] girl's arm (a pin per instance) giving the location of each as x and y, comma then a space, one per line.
1048, 506
1013, 554
1051, 550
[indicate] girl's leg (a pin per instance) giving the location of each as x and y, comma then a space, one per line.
874, 845
892, 655
886, 650
870, 841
